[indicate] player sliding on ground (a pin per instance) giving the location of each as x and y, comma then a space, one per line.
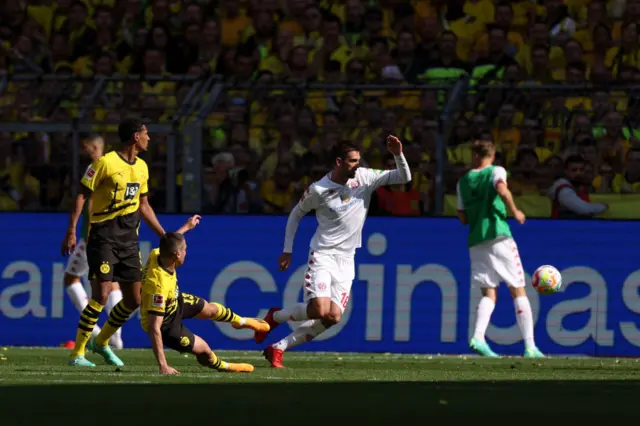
341, 200
164, 307
482, 196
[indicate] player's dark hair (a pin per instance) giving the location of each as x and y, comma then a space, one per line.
127, 128
483, 148
170, 243
573, 159
343, 149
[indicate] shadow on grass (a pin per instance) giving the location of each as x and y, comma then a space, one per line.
315, 403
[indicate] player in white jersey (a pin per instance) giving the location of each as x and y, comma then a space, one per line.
341, 200
78, 267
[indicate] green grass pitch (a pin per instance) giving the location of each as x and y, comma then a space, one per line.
38, 388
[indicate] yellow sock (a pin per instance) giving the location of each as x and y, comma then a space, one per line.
225, 314
118, 316
88, 319
216, 363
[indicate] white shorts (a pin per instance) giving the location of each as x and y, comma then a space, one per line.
494, 262
77, 264
329, 275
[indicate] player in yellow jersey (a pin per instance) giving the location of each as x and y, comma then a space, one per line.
164, 307
77, 266
117, 186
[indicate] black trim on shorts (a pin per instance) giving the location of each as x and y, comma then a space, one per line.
156, 313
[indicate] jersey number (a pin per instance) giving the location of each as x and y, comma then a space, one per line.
344, 299
130, 191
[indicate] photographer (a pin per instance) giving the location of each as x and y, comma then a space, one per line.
230, 190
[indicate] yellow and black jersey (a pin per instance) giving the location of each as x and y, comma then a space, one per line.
159, 291
116, 186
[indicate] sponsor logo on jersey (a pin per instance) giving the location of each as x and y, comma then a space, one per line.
90, 173
158, 300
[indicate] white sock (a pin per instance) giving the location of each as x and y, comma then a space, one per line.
297, 312
307, 331
483, 316
524, 316
114, 297
78, 296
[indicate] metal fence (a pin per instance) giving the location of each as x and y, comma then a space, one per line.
191, 119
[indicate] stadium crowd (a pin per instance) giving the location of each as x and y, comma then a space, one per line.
547, 80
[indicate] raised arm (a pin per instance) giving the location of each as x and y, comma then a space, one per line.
400, 175
189, 224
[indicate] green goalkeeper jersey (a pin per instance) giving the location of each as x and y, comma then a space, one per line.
485, 210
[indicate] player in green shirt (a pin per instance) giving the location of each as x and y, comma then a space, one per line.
483, 200
77, 267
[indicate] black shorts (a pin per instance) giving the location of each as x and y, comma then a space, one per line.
109, 263
174, 334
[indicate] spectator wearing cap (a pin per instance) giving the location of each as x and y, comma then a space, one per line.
568, 195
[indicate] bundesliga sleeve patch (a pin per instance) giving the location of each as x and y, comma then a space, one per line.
90, 173
158, 300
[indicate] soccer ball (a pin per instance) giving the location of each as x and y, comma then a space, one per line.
546, 279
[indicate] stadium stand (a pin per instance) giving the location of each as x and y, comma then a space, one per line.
262, 89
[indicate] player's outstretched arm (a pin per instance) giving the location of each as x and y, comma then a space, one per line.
189, 224
149, 216
69, 242
402, 173
507, 197
155, 323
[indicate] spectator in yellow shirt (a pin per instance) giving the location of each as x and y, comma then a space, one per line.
232, 23
277, 193
625, 182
